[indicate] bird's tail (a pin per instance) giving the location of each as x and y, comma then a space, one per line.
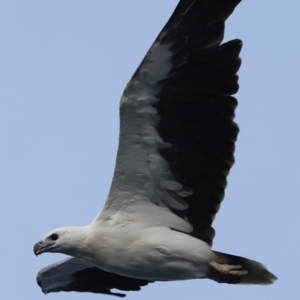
233, 269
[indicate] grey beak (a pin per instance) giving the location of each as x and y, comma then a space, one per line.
37, 248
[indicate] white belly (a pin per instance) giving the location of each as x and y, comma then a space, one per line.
150, 253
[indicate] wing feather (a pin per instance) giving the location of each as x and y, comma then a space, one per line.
72, 274
177, 134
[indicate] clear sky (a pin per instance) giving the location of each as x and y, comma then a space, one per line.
63, 67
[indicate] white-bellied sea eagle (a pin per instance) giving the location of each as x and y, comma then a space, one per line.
176, 147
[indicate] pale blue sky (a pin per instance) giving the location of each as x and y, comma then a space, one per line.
64, 65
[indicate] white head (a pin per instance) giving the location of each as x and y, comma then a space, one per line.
66, 240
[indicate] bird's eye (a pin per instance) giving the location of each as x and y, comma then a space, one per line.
53, 237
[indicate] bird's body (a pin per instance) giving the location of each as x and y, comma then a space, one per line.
176, 148
150, 253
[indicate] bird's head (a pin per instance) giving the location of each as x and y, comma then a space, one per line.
61, 240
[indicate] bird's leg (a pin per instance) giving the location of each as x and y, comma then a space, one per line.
227, 269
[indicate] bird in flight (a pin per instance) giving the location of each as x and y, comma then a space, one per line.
176, 147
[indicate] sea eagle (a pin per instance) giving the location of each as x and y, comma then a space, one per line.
176, 147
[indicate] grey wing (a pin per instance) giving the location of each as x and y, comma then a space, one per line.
177, 134
72, 274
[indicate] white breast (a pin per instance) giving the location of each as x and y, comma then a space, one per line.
155, 253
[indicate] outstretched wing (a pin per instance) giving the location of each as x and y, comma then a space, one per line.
177, 134
72, 274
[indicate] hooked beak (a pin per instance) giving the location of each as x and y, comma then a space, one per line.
40, 248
